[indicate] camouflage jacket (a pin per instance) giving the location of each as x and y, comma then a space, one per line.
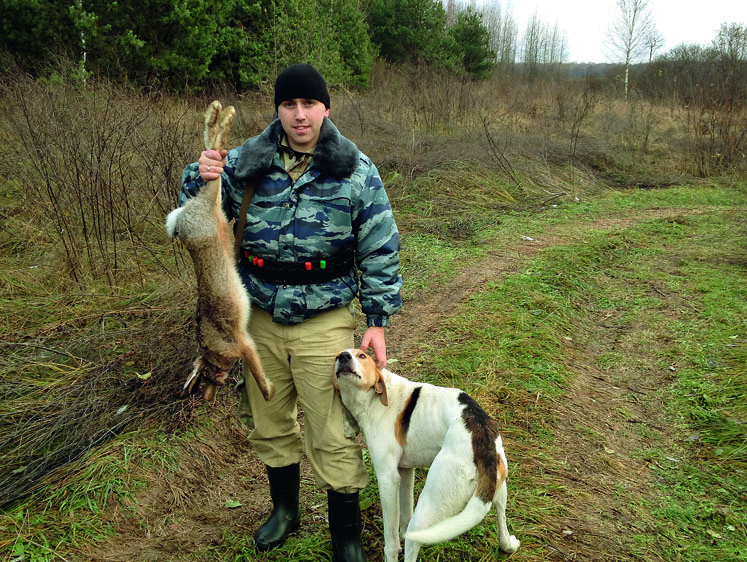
338, 204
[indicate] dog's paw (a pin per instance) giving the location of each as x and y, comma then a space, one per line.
511, 545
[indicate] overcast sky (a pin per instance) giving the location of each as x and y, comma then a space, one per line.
585, 22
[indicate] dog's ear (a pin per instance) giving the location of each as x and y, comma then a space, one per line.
380, 388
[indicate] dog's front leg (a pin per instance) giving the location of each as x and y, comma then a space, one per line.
389, 486
406, 501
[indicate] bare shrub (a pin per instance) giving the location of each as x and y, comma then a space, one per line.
642, 117
582, 109
100, 168
426, 98
717, 141
498, 151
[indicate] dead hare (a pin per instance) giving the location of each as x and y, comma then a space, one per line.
223, 305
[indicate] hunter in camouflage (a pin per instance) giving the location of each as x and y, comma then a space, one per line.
340, 190
319, 233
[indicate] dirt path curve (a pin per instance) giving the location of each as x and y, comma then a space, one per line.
595, 475
410, 327
418, 318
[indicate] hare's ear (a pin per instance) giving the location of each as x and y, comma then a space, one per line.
380, 388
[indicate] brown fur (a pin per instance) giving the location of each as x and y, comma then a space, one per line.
223, 305
484, 430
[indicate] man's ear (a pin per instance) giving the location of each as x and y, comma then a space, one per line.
380, 387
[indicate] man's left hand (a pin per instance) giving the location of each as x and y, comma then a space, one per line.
375, 339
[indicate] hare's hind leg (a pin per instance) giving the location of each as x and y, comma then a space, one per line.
218, 123
254, 365
212, 117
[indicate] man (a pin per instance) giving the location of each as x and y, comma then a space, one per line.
319, 233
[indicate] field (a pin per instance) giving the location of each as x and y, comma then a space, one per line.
565, 262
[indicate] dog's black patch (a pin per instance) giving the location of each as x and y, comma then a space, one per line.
409, 409
405, 416
484, 430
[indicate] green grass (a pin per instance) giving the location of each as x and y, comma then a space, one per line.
510, 335
80, 509
431, 262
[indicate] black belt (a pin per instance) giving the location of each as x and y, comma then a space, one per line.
298, 273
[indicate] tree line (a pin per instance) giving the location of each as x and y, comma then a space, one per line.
191, 44
187, 44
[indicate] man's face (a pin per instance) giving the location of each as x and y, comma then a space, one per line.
302, 120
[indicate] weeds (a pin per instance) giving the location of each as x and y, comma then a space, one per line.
98, 167
85, 369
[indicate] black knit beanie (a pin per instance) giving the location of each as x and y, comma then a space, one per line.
300, 81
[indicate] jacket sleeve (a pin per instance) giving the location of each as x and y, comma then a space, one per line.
377, 249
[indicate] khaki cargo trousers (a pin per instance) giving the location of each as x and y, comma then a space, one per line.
299, 359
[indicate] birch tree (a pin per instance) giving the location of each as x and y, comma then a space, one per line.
654, 42
629, 32
532, 47
503, 32
543, 47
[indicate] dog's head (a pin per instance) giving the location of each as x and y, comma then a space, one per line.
355, 367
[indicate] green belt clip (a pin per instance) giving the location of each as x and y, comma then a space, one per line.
322, 264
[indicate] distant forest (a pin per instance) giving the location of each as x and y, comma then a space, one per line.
195, 45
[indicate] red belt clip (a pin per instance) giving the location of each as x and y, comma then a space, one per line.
254, 260
307, 265
260, 262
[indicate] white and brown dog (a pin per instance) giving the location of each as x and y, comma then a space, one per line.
412, 424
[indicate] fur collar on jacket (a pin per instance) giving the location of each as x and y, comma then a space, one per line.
334, 155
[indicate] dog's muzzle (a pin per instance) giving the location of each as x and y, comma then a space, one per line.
344, 365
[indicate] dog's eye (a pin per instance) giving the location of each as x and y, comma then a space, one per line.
361, 355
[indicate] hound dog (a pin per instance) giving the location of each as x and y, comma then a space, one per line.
412, 424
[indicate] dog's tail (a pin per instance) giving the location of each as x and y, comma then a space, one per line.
474, 512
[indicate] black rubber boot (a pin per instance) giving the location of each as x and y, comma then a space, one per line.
286, 513
345, 527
